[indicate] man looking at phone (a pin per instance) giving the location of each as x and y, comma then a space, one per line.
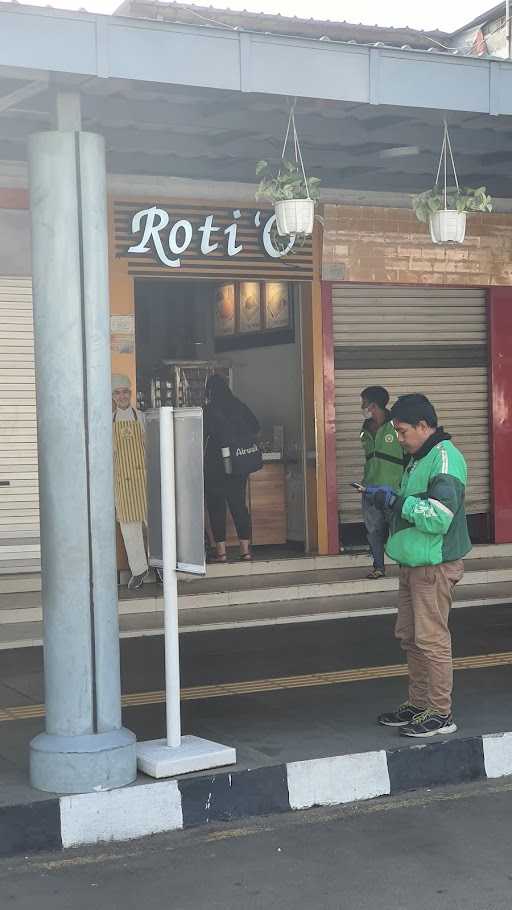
384, 464
428, 539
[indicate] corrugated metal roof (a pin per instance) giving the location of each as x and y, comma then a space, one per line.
291, 26
275, 24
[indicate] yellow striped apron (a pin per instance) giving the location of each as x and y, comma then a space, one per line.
129, 470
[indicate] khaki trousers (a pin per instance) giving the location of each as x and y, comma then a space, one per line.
424, 601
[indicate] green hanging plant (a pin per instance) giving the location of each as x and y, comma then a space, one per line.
288, 183
458, 198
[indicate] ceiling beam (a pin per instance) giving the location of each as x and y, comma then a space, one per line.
73, 44
22, 93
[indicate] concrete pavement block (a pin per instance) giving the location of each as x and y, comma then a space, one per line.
338, 779
497, 754
92, 818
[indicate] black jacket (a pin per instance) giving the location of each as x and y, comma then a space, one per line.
235, 422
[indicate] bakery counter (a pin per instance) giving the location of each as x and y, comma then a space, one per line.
266, 500
267, 503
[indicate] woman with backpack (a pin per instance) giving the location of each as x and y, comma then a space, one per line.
231, 454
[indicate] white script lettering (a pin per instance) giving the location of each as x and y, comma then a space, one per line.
207, 230
152, 232
153, 221
230, 232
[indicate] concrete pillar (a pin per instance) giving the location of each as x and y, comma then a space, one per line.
84, 747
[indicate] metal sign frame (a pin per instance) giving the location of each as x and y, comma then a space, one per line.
184, 468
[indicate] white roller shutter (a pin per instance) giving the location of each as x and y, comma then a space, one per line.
412, 340
19, 501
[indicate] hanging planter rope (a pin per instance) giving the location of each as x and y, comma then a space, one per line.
295, 216
291, 191
448, 225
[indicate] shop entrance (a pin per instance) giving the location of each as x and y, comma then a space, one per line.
251, 332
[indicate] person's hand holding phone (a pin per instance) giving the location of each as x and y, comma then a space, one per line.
383, 497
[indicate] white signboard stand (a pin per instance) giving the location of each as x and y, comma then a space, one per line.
176, 754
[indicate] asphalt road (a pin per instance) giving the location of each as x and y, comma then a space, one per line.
448, 850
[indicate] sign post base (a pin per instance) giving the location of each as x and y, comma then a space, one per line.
157, 759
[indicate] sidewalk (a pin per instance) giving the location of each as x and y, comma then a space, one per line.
296, 748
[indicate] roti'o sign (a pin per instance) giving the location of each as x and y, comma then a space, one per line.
170, 240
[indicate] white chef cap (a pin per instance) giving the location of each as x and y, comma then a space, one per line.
120, 382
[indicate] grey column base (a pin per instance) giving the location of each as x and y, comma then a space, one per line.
82, 764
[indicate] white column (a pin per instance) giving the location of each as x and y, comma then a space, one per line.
84, 746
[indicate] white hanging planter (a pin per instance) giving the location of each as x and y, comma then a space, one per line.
295, 216
448, 226
445, 207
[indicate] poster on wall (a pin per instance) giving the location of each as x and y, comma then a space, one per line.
251, 314
250, 307
224, 310
122, 344
277, 305
122, 334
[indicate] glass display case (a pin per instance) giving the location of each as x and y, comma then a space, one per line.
179, 383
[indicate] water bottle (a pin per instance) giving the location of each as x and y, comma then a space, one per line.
226, 458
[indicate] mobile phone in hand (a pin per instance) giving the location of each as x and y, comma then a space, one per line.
359, 487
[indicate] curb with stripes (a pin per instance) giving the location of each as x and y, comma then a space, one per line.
151, 808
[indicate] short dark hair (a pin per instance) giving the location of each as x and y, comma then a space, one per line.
414, 408
376, 394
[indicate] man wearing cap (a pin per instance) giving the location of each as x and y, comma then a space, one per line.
384, 465
428, 539
130, 476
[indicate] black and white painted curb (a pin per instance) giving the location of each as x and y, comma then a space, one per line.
151, 808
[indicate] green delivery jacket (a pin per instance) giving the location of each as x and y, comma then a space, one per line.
384, 456
428, 523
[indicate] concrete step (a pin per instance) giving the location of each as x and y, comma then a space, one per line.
12, 582
258, 590
333, 582
139, 624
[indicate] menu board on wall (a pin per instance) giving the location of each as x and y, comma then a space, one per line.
224, 313
259, 313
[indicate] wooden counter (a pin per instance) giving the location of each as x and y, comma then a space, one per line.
267, 504
266, 499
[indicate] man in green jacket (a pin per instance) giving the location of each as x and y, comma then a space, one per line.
384, 464
428, 538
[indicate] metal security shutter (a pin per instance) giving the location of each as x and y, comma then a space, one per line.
19, 502
412, 340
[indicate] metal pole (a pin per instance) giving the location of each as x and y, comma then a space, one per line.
84, 747
172, 651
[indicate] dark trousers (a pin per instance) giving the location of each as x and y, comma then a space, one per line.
230, 490
377, 530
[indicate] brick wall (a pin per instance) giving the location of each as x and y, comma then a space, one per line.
366, 244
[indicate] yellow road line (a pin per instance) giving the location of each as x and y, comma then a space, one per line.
253, 686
